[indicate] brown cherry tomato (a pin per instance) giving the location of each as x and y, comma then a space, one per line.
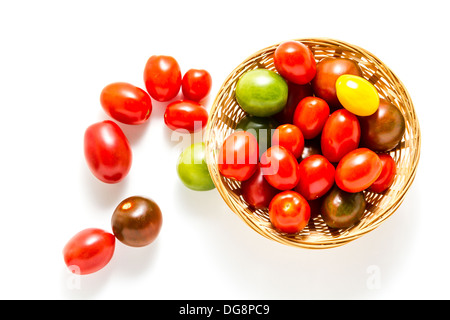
162, 77
257, 191
290, 137
312, 146
185, 114
387, 176
340, 135
310, 116
358, 170
383, 130
316, 177
328, 71
238, 156
289, 212
136, 221
126, 103
280, 168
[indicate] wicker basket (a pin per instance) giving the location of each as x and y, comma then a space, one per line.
225, 114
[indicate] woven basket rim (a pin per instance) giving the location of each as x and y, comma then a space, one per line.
327, 243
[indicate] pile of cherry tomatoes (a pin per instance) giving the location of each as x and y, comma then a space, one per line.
316, 137
137, 220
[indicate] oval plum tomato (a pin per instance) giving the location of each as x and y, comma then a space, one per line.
196, 84
342, 209
340, 135
238, 156
358, 170
295, 62
280, 168
296, 92
162, 77
316, 177
257, 191
387, 176
289, 212
126, 103
185, 114
192, 168
310, 116
328, 71
383, 130
357, 95
107, 151
89, 250
290, 137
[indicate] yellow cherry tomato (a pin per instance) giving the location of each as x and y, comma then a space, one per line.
357, 95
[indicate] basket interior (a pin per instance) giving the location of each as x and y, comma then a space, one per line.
226, 113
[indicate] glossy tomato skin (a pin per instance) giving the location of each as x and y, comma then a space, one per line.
126, 103
89, 250
280, 168
261, 92
290, 137
186, 115
387, 175
328, 71
296, 92
289, 212
196, 84
162, 77
261, 127
295, 62
310, 116
358, 170
342, 209
316, 177
257, 191
192, 168
383, 130
238, 156
136, 221
357, 95
340, 135
107, 151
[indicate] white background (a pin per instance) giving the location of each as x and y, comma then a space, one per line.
55, 58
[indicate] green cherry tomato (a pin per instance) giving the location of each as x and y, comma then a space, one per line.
261, 92
192, 168
357, 95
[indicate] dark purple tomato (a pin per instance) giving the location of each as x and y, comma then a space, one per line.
383, 130
342, 209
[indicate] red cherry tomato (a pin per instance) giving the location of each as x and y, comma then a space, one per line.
310, 116
126, 103
280, 168
290, 137
289, 212
162, 77
316, 177
238, 156
340, 135
107, 151
89, 250
387, 176
196, 84
257, 191
358, 170
296, 92
187, 115
295, 62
